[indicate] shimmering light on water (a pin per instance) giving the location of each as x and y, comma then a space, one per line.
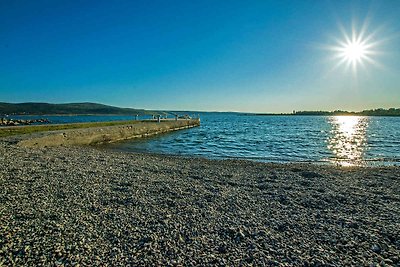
348, 139
329, 139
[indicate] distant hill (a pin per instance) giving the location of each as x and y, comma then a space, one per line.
66, 109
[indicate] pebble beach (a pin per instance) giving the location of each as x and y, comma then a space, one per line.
87, 206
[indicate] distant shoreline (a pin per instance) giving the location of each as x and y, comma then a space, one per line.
242, 113
95, 109
289, 114
71, 115
391, 112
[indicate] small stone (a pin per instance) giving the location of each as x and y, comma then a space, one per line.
376, 248
222, 249
388, 261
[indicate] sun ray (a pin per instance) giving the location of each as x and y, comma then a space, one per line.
356, 48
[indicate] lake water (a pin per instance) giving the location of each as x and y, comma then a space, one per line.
343, 140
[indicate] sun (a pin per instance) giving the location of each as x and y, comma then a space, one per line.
355, 49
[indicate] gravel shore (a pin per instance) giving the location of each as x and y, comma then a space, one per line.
70, 206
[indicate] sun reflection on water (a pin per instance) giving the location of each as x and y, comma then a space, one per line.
347, 139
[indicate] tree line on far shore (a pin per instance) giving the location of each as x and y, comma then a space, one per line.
370, 112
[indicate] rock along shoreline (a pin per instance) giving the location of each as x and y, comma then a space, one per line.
73, 205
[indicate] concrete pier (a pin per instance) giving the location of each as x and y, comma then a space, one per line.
101, 135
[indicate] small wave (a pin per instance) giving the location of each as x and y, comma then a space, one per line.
303, 139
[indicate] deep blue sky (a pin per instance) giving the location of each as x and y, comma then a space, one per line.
255, 56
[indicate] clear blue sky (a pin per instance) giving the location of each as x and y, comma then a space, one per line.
253, 56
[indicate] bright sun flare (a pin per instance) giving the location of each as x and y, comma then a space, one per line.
356, 49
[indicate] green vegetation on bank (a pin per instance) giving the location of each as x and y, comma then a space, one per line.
18, 130
370, 112
67, 109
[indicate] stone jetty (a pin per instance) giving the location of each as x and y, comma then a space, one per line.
108, 134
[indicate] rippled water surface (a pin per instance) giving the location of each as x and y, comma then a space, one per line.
344, 140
